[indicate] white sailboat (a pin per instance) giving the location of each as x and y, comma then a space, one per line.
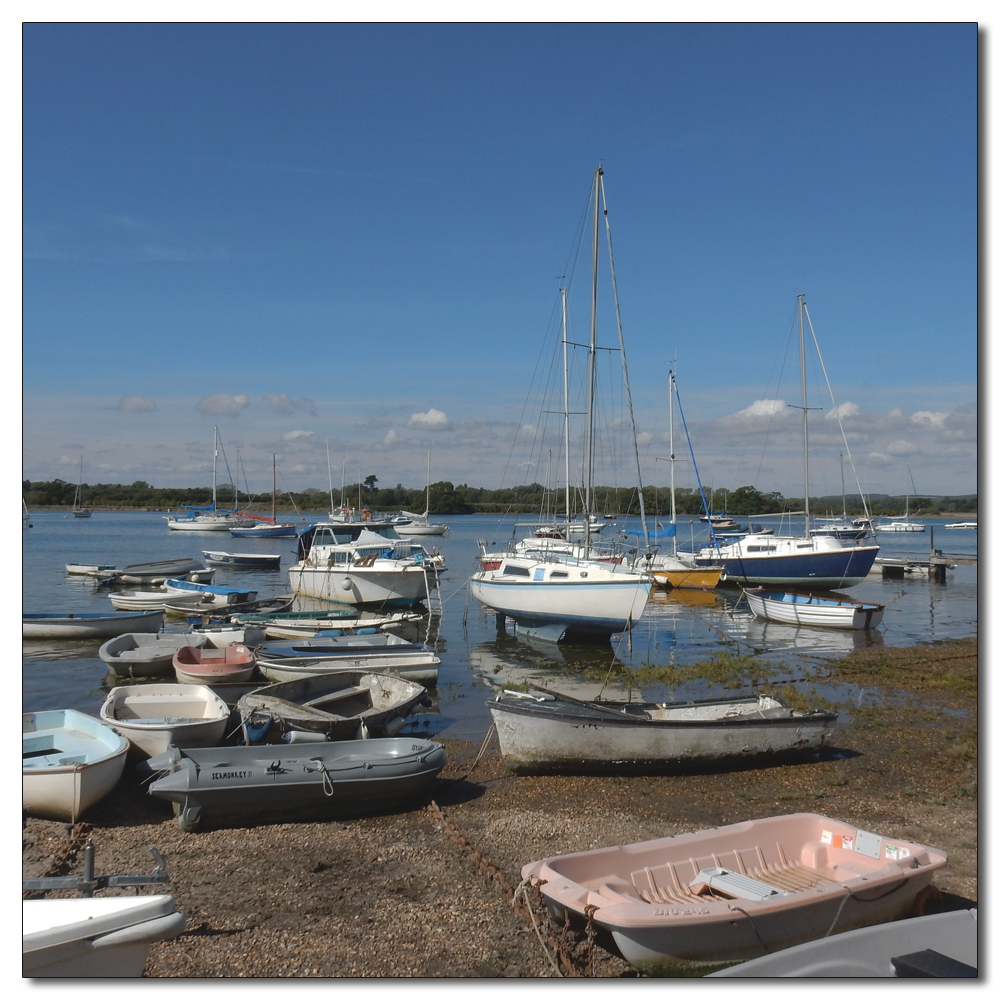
554, 594
207, 518
902, 523
79, 510
806, 560
420, 524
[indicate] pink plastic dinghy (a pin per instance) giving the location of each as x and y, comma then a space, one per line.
732, 893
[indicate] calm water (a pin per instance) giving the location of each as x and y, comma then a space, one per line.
677, 627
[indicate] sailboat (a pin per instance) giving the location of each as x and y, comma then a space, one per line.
269, 528
902, 523
207, 518
79, 510
552, 593
672, 569
806, 560
840, 527
420, 523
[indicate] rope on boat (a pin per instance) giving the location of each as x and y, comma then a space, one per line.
327, 782
489, 734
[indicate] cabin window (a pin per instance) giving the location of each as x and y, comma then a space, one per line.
558, 574
516, 571
761, 548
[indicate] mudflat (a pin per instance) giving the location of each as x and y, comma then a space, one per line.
434, 890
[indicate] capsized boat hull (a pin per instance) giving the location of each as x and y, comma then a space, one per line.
542, 731
89, 626
70, 761
352, 775
667, 909
877, 952
807, 609
96, 937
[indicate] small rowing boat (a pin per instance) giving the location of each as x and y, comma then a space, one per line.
194, 665
88, 625
149, 654
809, 609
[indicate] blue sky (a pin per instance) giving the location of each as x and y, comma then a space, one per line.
354, 234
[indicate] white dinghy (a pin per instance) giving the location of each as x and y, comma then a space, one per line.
810, 609
138, 654
154, 716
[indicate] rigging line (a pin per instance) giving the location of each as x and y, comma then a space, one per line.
840, 423
621, 344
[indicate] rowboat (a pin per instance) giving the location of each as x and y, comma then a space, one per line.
734, 893
138, 654
89, 569
809, 609
152, 573
91, 937
258, 560
209, 593
149, 600
935, 946
193, 665
69, 762
88, 625
346, 705
351, 775
311, 624
411, 660
963, 524
541, 730
154, 716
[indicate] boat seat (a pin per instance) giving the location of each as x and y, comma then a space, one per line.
341, 695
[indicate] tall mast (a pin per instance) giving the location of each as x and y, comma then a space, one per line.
274, 488
673, 494
591, 359
805, 409
427, 500
215, 463
565, 346
329, 476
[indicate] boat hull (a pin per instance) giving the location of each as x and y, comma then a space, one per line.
688, 579
106, 937
144, 654
394, 587
267, 531
827, 569
87, 626
152, 717
869, 952
539, 733
821, 876
796, 609
420, 667
254, 559
599, 608
70, 761
351, 775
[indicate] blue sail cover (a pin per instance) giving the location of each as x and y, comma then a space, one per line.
668, 532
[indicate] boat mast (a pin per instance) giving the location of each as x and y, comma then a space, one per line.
427, 499
673, 493
805, 409
591, 359
274, 489
215, 464
565, 346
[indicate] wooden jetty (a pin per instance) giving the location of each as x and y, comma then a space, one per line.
933, 567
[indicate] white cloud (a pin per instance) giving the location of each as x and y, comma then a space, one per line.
901, 447
222, 404
392, 437
762, 408
924, 418
842, 411
432, 420
298, 435
281, 402
877, 458
134, 403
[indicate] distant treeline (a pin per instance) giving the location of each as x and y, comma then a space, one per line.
446, 498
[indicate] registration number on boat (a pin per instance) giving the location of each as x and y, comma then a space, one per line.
680, 911
231, 774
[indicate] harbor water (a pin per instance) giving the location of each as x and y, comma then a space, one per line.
677, 628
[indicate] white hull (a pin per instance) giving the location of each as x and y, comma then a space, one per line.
200, 524
419, 528
70, 761
106, 937
420, 667
99, 627
154, 716
825, 613
390, 585
580, 596
146, 600
534, 736
132, 655
909, 526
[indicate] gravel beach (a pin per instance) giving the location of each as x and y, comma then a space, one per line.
432, 891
